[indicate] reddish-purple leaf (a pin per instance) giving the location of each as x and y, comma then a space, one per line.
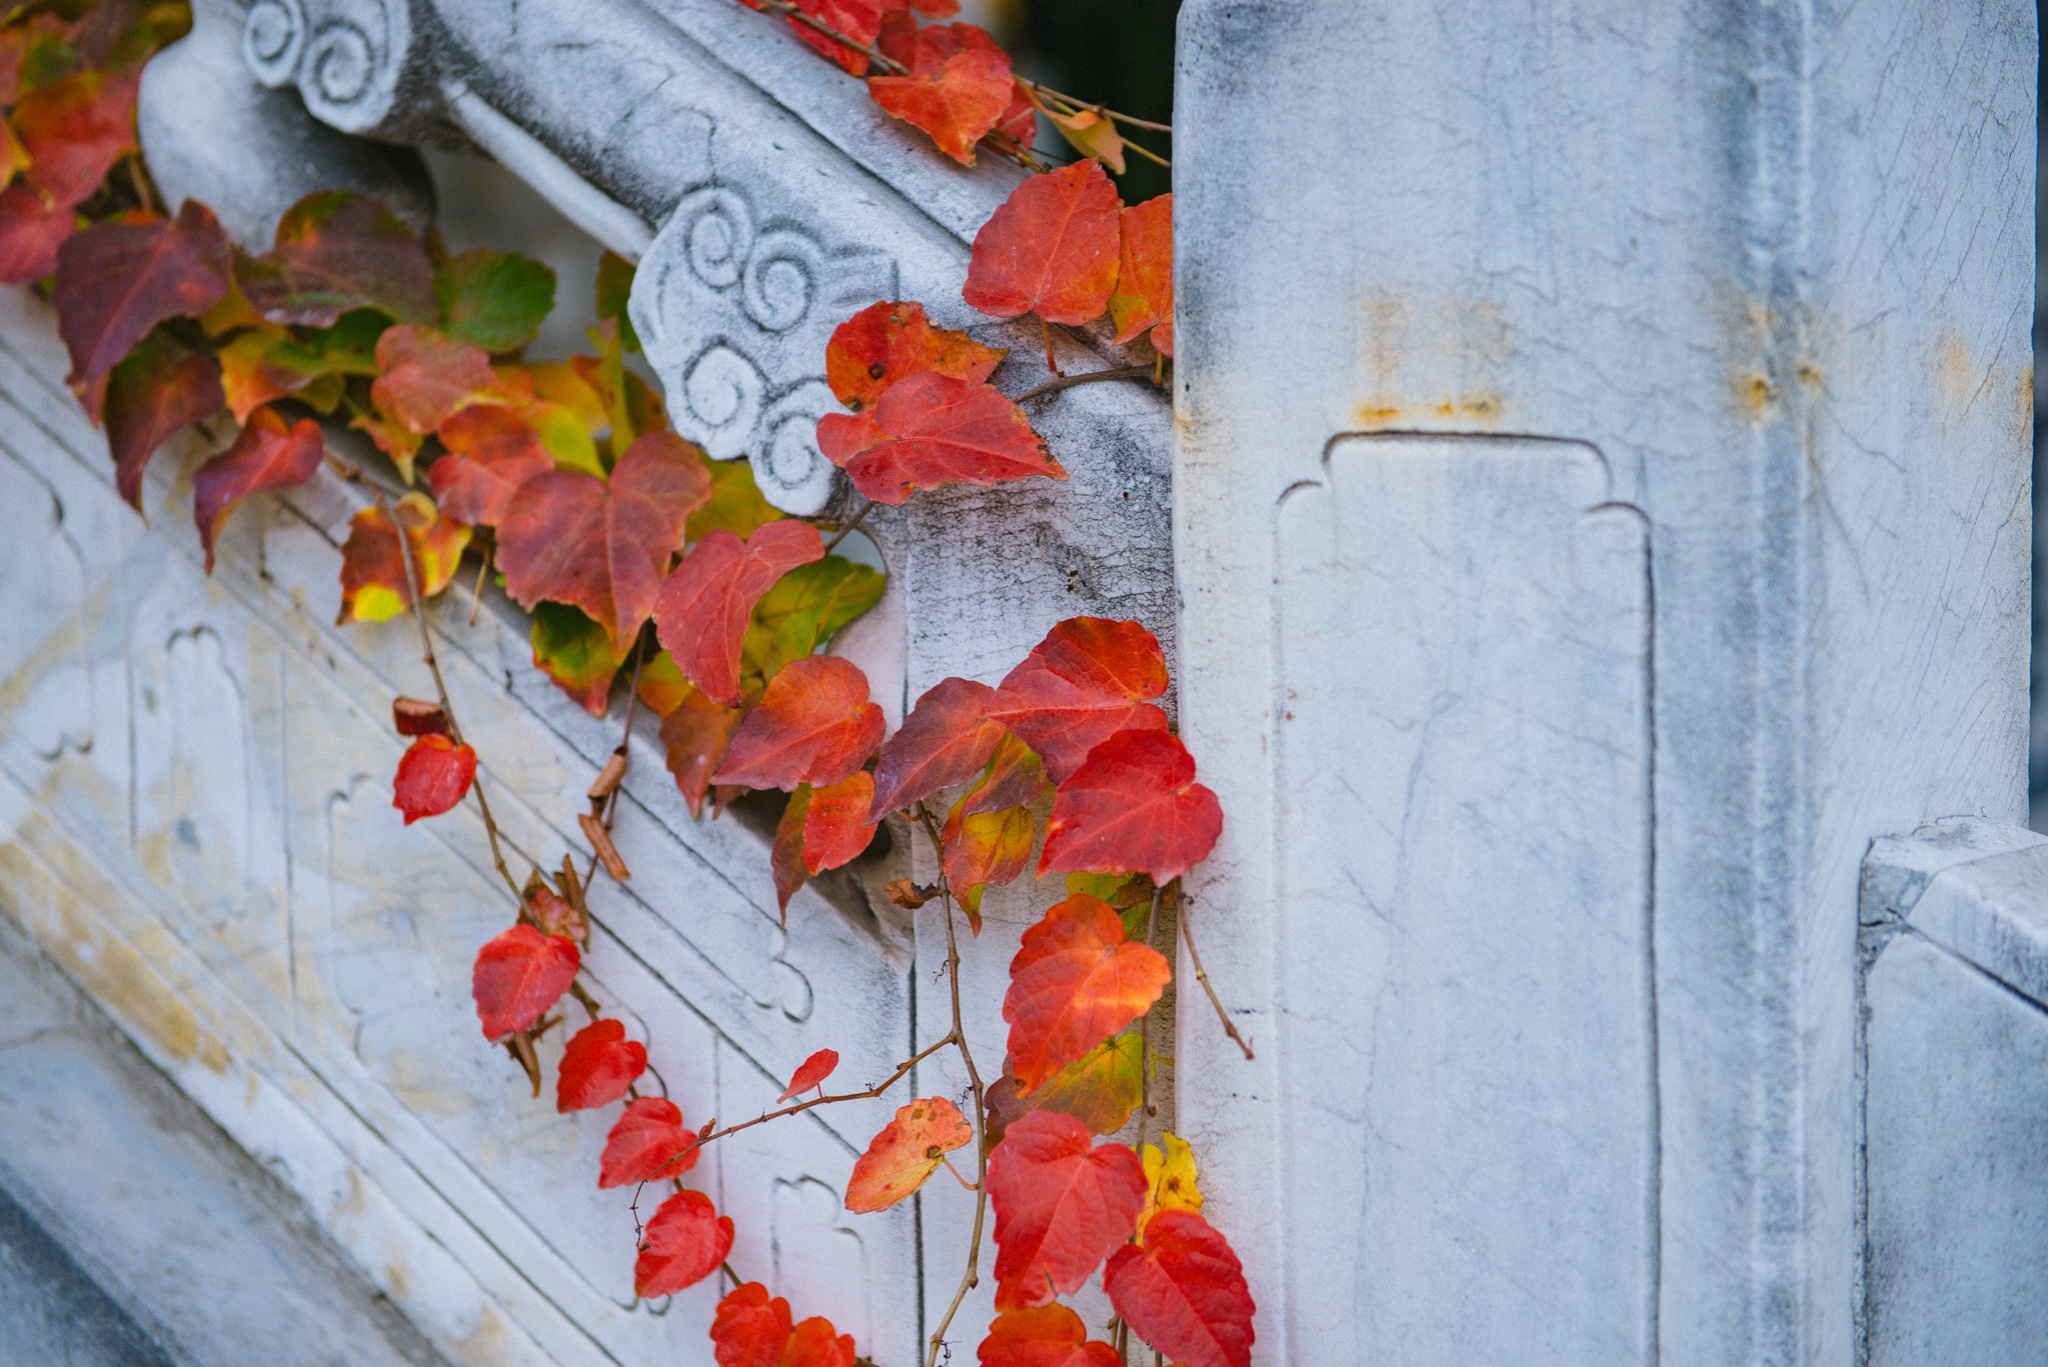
160, 390
75, 129
427, 376
702, 610
267, 455
32, 228
697, 733
116, 281
490, 454
338, 250
945, 740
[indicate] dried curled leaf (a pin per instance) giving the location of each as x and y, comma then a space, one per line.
1074, 982
433, 776
373, 579
598, 1066
1133, 807
649, 1143
908, 1150
814, 724
266, 455
1051, 249
1183, 1291
682, 1245
519, 975
886, 342
1062, 1203
931, 430
416, 717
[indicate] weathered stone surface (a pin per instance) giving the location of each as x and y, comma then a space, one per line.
1773, 264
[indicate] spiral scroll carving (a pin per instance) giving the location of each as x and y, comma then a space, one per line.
735, 314
353, 61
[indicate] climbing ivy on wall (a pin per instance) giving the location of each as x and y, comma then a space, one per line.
638, 555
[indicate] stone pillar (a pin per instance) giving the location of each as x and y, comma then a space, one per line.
1600, 511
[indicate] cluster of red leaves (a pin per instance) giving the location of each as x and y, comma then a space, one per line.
754, 1330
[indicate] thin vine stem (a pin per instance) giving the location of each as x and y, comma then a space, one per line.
1188, 938
850, 528
412, 592
1053, 386
971, 1277
611, 799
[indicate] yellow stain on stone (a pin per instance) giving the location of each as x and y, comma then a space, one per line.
423, 1085
486, 1343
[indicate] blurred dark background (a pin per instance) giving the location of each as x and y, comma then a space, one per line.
1117, 53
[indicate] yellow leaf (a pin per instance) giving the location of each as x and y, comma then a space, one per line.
564, 435
1092, 135
1169, 1179
558, 382
13, 156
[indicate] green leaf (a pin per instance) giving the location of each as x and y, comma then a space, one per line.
495, 300
805, 610
736, 504
614, 288
574, 651
1100, 1089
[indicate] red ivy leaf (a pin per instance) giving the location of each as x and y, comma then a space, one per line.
1184, 1292
116, 281
427, 376
490, 454
836, 828
1063, 1203
1087, 680
159, 390
702, 610
338, 250
810, 1073
814, 1343
1050, 249
573, 538
75, 129
1047, 1336
786, 850
683, 1244
1144, 282
32, 228
907, 1152
860, 20
697, 733
373, 579
946, 738
519, 974
1015, 778
957, 105
598, 1066
433, 775
266, 455
750, 1328
1073, 983
1132, 807
930, 430
885, 342
1100, 1090
648, 1142
814, 724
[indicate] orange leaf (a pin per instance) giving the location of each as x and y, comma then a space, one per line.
750, 1329
1050, 249
836, 829
810, 1073
116, 281
702, 610
1183, 1291
32, 227
907, 1151
337, 250
786, 849
433, 775
574, 538
1062, 1203
929, 430
75, 129
814, 724
1144, 282
266, 455
598, 1066
519, 974
1132, 807
683, 1244
160, 389
814, 1343
859, 20
1047, 1336
885, 342
373, 582
649, 1142
697, 733
427, 376
490, 454
1088, 679
944, 740
957, 105
1073, 983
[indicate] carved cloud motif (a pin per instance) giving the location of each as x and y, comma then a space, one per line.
735, 314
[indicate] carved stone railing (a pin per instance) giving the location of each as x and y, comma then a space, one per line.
195, 770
